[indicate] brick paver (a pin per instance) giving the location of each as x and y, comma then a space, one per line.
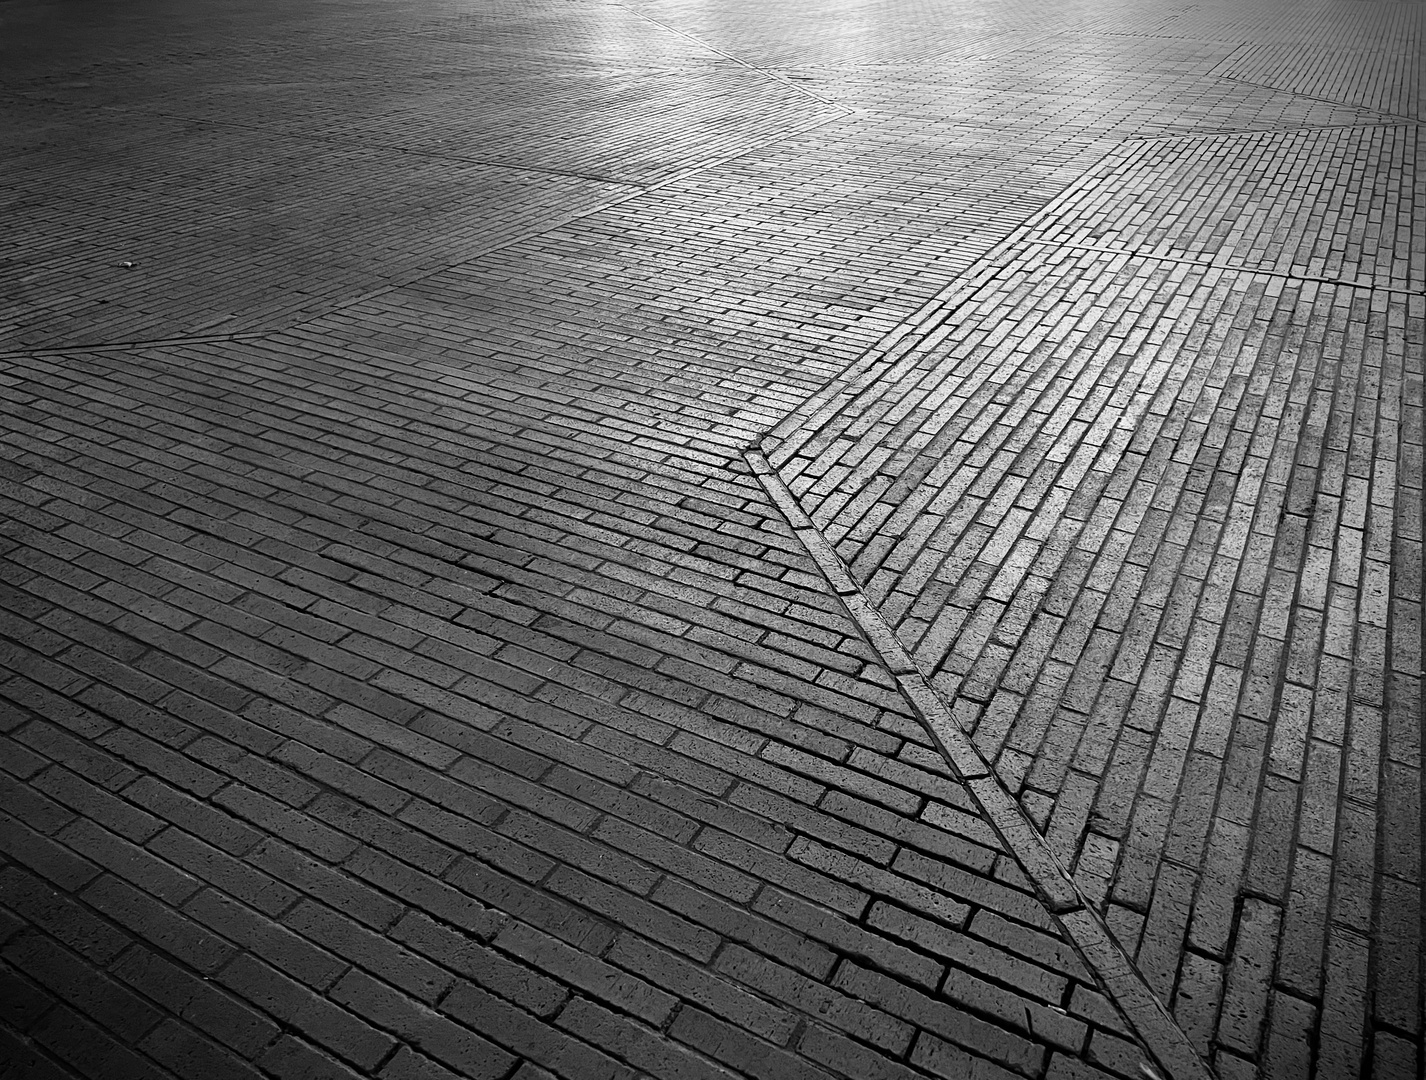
404, 672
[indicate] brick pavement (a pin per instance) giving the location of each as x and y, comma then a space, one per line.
404, 673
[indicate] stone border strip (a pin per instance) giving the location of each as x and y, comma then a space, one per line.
1165, 1041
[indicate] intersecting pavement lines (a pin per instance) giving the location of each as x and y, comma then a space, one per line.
1389, 25
500, 670
229, 559
268, 229
1075, 502
843, 31
290, 202
1362, 75
1307, 203
1068, 91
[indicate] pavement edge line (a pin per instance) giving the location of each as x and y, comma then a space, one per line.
1087, 931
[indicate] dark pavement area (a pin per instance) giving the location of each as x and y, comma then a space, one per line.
690, 539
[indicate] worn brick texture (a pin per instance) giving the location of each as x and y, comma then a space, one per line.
402, 675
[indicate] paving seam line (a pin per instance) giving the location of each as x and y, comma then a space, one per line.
1396, 117
1086, 930
1286, 129
130, 346
1149, 256
353, 142
932, 313
765, 72
404, 282
339, 306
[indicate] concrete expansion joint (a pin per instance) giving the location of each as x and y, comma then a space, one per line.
1160, 1035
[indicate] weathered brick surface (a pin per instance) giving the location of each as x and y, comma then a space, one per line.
1124, 516
401, 674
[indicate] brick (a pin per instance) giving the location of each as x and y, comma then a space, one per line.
520, 792
776, 869
272, 817
738, 924
1018, 905
78, 1043
386, 730
216, 828
466, 1052
189, 1054
749, 1056
878, 882
848, 1057
649, 919
18, 760
158, 924
80, 986
84, 759
334, 773
848, 939
723, 999
348, 939
51, 860
1052, 424
942, 1059
587, 973
784, 984
94, 802
688, 801
934, 841
292, 1059
150, 757
423, 891
339, 890
406, 1064
1044, 1023
197, 1001
676, 859
455, 951
317, 734
392, 836
232, 876
314, 1017
290, 953
986, 1040
22, 1002
570, 849
129, 861
530, 1038
643, 812
639, 1046
59, 916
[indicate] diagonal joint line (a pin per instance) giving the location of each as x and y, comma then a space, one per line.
1112, 967
765, 72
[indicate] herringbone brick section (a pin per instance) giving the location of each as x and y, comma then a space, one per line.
403, 674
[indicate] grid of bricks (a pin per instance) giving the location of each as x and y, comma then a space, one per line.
401, 674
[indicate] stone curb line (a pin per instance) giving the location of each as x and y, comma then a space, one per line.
1120, 979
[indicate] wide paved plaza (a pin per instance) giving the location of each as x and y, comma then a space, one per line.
708, 539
